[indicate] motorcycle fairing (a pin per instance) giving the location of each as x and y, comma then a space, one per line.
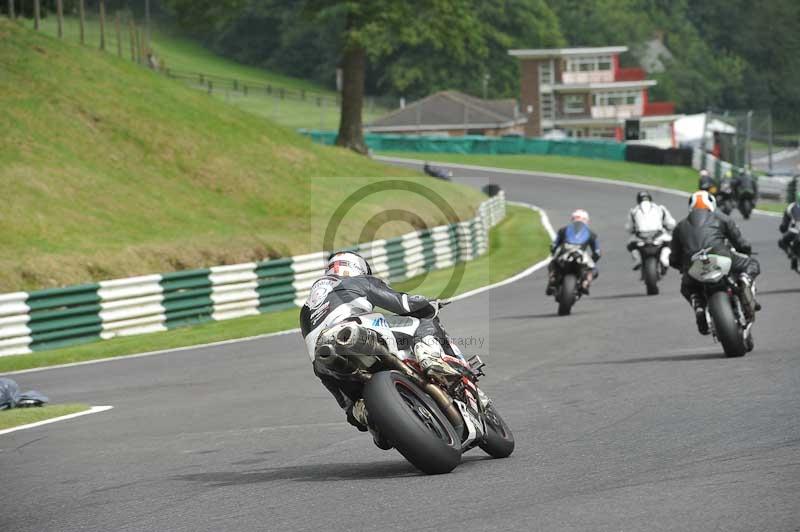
708, 267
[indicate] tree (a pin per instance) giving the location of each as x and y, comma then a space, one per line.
373, 30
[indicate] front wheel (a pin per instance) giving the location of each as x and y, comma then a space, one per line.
498, 440
412, 422
725, 325
650, 273
566, 295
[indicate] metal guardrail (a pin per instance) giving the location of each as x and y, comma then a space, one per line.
47, 319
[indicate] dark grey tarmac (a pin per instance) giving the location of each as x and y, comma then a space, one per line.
625, 419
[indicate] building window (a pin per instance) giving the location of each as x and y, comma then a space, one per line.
574, 103
545, 72
616, 98
547, 106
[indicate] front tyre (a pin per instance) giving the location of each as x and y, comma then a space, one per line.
566, 296
650, 274
498, 441
746, 207
727, 328
412, 422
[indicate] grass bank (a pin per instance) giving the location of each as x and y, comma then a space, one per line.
516, 243
183, 55
110, 170
23, 416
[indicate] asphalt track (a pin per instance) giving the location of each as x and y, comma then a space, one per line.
625, 419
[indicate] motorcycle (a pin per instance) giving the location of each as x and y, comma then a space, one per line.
431, 424
725, 196
573, 264
728, 317
650, 245
747, 202
439, 173
793, 249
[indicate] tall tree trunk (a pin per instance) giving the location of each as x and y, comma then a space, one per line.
11, 9
36, 14
351, 134
60, 17
102, 25
82, 15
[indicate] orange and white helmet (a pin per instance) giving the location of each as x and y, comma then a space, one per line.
347, 264
702, 200
579, 215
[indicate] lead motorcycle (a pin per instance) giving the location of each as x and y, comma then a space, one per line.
650, 245
728, 317
573, 263
431, 424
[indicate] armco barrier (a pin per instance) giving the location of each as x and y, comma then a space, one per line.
479, 144
58, 317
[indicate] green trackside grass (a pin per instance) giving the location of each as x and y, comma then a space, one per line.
515, 244
109, 170
677, 177
22, 416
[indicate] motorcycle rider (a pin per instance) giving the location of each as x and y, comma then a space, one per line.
707, 182
791, 218
745, 184
348, 289
648, 216
576, 232
706, 228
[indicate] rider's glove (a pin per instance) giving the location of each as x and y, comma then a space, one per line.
595, 257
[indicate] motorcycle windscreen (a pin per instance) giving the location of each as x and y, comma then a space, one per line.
710, 269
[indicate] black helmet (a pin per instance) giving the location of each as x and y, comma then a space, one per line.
643, 196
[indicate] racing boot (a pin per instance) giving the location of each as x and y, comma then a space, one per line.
551, 285
429, 356
636, 255
747, 292
357, 416
700, 316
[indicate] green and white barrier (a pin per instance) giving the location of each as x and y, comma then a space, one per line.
46, 319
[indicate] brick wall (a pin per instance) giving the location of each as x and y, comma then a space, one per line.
529, 95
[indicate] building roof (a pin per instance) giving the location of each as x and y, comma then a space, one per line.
542, 53
450, 110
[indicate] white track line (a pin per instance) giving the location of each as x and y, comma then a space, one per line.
92, 410
545, 221
572, 177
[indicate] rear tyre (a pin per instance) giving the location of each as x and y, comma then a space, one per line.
566, 296
725, 325
498, 441
746, 207
412, 422
650, 273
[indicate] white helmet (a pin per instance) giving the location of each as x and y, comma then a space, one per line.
347, 264
580, 215
702, 200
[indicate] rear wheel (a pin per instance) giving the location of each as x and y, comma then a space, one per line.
725, 325
650, 273
566, 296
498, 441
746, 207
412, 422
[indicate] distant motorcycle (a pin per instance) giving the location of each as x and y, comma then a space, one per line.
793, 249
747, 201
726, 197
572, 264
728, 317
439, 173
650, 244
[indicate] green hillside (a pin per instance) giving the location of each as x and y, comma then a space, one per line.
182, 56
110, 170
